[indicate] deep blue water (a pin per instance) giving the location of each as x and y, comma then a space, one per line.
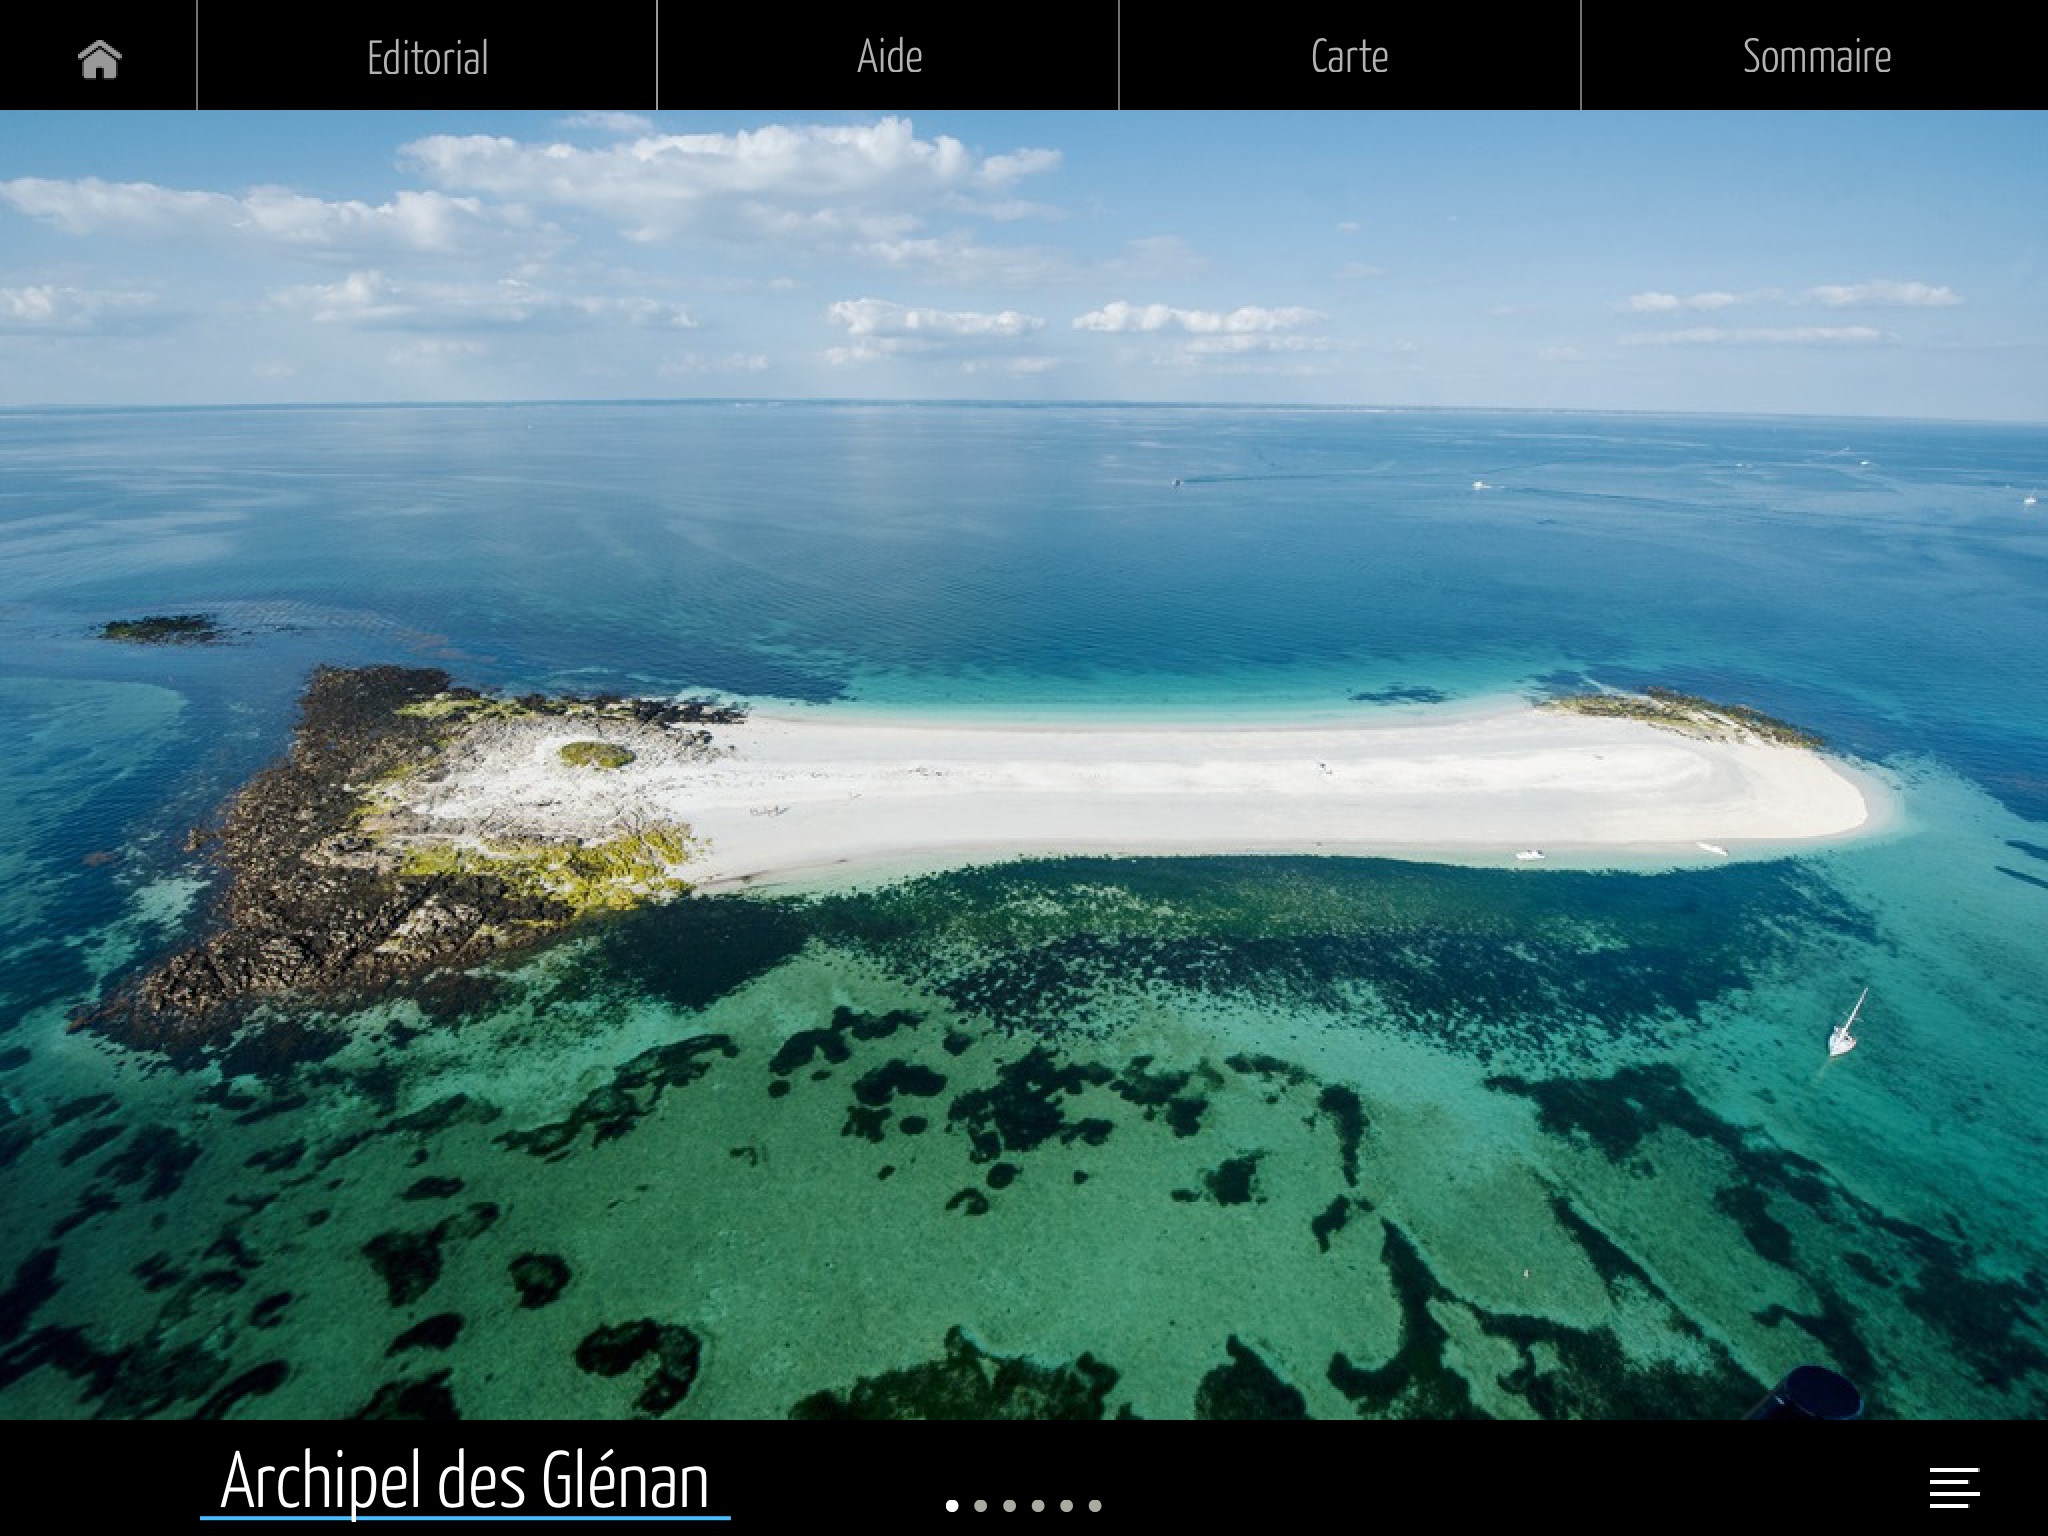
1628, 1055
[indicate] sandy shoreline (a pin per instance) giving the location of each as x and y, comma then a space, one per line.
784, 797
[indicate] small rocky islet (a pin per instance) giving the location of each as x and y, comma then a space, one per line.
165, 629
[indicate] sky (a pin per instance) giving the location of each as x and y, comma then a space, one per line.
1824, 264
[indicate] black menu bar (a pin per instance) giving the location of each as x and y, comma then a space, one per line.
1060, 54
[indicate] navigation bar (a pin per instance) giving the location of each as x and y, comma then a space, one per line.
646, 55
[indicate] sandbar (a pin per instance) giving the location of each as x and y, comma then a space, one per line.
784, 799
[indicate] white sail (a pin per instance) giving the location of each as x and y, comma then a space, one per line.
1841, 1042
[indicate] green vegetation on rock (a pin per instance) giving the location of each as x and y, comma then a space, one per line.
1688, 713
596, 754
611, 876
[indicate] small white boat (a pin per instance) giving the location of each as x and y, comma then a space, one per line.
1531, 855
1841, 1042
1713, 848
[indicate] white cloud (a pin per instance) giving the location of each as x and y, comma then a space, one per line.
1001, 170
1883, 294
1560, 355
1120, 317
375, 301
879, 317
1347, 226
1794, 335
1671, 303
818, 184
1355, 271
878, 328
46, 309
272, 218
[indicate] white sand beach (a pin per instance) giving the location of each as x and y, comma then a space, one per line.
822, 796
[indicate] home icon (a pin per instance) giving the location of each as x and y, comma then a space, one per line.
102, 61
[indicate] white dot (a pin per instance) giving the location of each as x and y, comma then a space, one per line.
951, 1505
1037, 1504
1094, 1504
1067, 1504
980, 1504
1009, 1504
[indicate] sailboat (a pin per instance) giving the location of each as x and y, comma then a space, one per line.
1841, 1042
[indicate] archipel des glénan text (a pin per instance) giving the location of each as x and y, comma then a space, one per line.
575, 1480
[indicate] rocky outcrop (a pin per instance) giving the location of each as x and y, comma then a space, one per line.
312, 906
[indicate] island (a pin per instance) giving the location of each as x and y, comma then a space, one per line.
419, 829
165, 629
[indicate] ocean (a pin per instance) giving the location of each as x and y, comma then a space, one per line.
1165, 1137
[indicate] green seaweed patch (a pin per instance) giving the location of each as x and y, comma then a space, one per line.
540, 1278
1247, 1388
157, 1272
1342, 1105
834, 1043
614, 875
1235, 1180
1333, 1218
1834, 1326
1750, 1208
1025, 1107
165, 629
1167, 1090
437, 1332
410, 1262
675, 1352
1259, 1065
595, 754
82, 1106
277, 1159
1416, 1381
867, 1124
35, 1282
90, 1141
636, 1087
427, 1400
879, 1086
1616, 957
156, 1157
135, 1381
1579, 1373
432, 1187
968, 1382
257, 1381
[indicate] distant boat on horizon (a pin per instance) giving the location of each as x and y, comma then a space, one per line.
1841, 1042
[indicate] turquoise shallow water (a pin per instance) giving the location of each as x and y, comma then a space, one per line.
1183, 1136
